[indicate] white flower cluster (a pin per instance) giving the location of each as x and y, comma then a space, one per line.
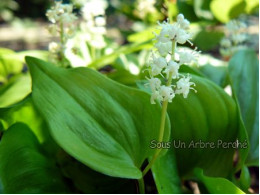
93, 28
234, 39
62, 18
167, 40
144, 7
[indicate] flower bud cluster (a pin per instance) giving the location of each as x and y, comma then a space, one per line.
93, 12
235, 38
161, 65
62, 18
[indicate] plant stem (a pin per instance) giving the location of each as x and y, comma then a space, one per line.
62, 44
163, 119
93, 53
141, 186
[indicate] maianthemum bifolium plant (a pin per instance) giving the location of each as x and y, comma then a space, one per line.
81, 132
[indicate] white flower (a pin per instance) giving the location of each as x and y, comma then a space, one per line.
94, 8
52, 15
186, 57
238, 38
61, 12
100, 21
160, 62
225, 42
154, 83
172, 68
184, 23
184, 86
54, 47
166, 93
155, 70
164, 48
182, 36
155, 96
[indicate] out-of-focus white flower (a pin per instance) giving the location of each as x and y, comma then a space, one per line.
93, 13
144, 7
238, 38
184, 86
235, 25
100, 21
54, 47
235, 38
173, 69
93, 8
225, 42
61, 12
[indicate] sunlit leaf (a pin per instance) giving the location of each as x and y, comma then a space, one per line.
217, 185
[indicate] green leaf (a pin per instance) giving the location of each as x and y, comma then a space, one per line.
25, 112
252, 6
9, 63
245, 178
207, 40
108, 59
103, 124
217, 185
209, 116
225, 10
202, 9
217, 74
243, 70
17, 88
166, 175
88, 181
23, 168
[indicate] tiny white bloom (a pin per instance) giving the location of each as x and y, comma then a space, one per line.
186, 57
184, 86
100, 21
166, 93
164, 48
172, 68
155, 70
225, 43
155, 96
154, 83
54, 47
160, 62
238, 38
182, 36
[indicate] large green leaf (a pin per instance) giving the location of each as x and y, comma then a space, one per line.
225, 10
23, 168
217, 74
209, 115
207, 39
243, 70
101, 123
217, 185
